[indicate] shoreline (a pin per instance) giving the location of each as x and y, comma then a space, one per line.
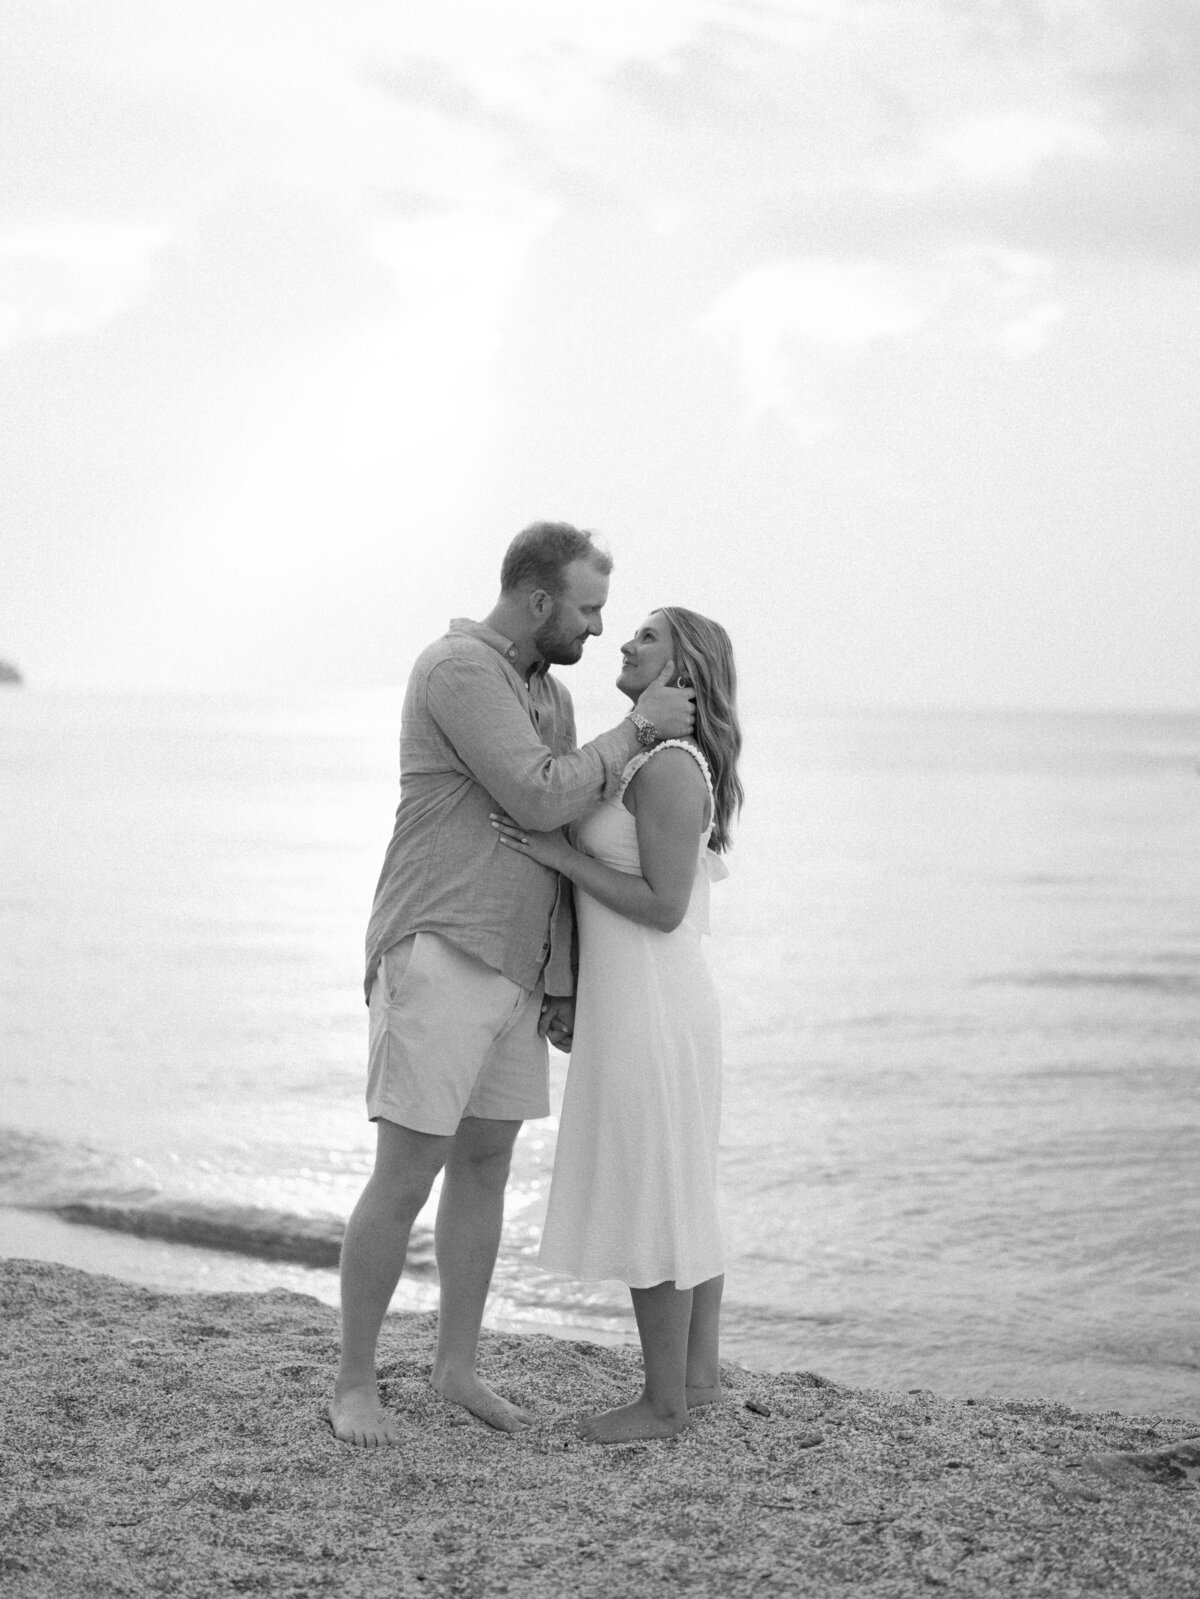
1089, 1379
168, 1266
178, 1442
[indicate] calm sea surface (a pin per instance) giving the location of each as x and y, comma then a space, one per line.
959, 960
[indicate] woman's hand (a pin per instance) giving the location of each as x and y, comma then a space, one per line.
548, 849
557, 1020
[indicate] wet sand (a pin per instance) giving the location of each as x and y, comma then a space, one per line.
177, 1443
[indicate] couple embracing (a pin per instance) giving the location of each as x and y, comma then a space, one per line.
471, 956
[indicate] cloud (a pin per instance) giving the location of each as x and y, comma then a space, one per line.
1025, 334
787, 323
1150, 71
129, 127
1069, 130
283, 286
68, 278
791, 326
1009, 146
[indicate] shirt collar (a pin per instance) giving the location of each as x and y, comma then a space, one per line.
497, 641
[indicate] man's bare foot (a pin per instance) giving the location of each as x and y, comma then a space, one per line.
710, 1395
358, 1418
628, 1422
469, 1390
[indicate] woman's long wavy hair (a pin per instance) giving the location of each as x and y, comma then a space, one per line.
704, 653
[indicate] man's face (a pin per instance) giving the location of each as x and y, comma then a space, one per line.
574, 617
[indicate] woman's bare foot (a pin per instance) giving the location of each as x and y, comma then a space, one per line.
358, 1418
628, 1422
709, 1395
469, 1390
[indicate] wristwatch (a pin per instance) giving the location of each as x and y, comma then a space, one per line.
647, 734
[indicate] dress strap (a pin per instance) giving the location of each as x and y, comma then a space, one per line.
639, 760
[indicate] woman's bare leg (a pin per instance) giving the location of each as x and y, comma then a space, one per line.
703, 1370
663, 1316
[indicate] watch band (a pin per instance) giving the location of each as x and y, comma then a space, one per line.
647, 734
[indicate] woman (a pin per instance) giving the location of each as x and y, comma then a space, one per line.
633, 1196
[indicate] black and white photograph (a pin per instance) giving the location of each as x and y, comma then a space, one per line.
600, 798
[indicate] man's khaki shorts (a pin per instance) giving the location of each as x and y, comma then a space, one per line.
450, 1038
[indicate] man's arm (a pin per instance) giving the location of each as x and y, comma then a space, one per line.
474, 705
672, 805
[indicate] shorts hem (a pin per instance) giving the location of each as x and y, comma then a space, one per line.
413, 1120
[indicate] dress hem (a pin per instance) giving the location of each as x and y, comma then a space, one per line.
646, 1279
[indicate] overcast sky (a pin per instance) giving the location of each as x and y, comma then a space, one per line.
869, 328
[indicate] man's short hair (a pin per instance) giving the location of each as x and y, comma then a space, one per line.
540, 554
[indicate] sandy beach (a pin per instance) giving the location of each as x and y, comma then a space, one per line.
178, 1443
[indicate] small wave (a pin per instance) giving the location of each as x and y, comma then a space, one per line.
39, 1173
241, 1229
96, 1188
1153, 982
752, 1317
1051, 879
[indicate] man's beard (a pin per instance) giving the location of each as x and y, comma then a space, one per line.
554, 646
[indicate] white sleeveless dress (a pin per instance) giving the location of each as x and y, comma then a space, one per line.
633, 1197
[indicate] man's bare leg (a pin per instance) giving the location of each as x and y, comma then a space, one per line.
703, 1372
467, 1237
663, 1315
373, 1254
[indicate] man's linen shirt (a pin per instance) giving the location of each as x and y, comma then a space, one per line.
474, 738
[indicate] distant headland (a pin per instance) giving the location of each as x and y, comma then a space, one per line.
9, 673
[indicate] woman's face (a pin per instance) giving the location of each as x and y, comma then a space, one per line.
645, 655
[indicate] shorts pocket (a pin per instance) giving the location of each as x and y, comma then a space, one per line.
393, 965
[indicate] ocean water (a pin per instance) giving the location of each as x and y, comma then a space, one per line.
959, 964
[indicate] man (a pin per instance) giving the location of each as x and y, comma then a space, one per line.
468, 950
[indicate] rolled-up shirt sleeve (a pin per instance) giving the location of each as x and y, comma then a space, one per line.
474, 705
